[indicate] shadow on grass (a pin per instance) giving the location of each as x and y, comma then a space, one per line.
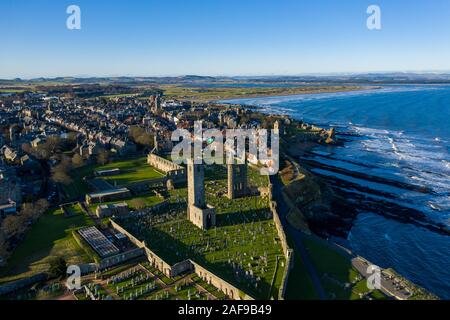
235, 218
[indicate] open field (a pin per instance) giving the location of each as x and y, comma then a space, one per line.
341, 281
78, 187
147, 199
133, 171
50, 237
206, 94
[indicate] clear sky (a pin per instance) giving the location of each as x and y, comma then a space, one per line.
221, 37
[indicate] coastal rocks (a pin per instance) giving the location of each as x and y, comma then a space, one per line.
314, 207
360, 198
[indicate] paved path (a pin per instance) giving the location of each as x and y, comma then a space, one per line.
296, 236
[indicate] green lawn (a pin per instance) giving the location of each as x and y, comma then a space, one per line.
78, 187
335, 272
74, 210
49, 237
300, 285
149, 201
132, 171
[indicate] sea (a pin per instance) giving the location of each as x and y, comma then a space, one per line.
401, 134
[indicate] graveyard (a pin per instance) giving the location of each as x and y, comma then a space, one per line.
243, 248
141, 281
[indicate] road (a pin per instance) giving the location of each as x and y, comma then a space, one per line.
296, 235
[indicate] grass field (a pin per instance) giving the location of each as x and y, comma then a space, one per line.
78, 187
203, 94
132, 171
148, 200
300, 285
339, 278
49, 237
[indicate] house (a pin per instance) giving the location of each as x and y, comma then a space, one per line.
36, 142
10, 154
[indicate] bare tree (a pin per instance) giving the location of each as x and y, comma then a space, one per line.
138, 204
60, 173
77, 160
103, 157
12, 225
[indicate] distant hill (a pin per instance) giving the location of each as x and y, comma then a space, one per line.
392, 77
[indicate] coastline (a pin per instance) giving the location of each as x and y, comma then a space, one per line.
215, 95
386, 209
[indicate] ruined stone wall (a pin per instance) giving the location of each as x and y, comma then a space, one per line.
227, 288
19, 284
288, 252
187, 265
152, 257
172, 170
120, 258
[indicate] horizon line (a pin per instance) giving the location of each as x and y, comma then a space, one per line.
318, 74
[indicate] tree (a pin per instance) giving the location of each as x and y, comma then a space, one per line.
26, 147
12, 226
60, 172
60, 176
103, 157
58, 267
141, 136
3, 244
48, 148
138, 204
77, 160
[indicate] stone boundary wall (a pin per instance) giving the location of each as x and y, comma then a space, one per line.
139, 187
21, 283
152, 257
119, 258
146, 211
227, 288
172, 170
288, 252
184, 266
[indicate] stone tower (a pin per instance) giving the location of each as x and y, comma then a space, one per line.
237, 180
277, 128
198, 212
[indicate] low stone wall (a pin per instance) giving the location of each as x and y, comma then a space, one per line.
227, 288
22, 283
184, 266
152, 257
288, 252
121, 257
172, 170
157, 207
147, 185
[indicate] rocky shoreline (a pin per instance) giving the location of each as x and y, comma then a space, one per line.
334, 209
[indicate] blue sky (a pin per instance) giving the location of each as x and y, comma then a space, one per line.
221, 37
